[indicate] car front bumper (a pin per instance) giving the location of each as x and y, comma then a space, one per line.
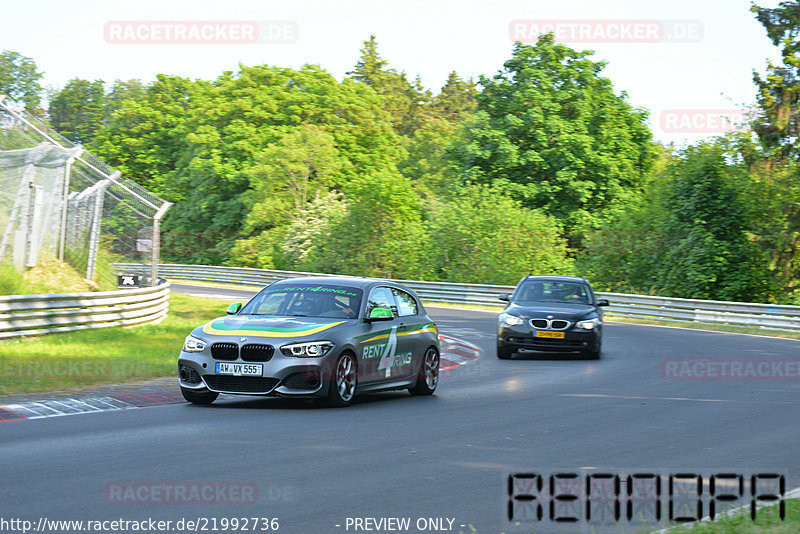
522, 337
281, 375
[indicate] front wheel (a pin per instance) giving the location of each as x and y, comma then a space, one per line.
504, 353
593, 354
428, 376
342, 388
199, 397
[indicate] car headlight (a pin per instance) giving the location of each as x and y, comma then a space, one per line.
589, 324
312, 349
508, 319
193, 344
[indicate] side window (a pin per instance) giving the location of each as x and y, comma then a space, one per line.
406, 305
381, 297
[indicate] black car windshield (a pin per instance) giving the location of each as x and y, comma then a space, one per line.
306, 300
551, 291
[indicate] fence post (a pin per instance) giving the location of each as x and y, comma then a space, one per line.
94, 230
62, 236
156, 244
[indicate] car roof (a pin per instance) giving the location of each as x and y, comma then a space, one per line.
352, 281
555, 278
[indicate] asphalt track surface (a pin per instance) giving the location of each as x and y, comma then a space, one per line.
393, 455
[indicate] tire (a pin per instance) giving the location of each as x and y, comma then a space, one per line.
344, 381
199, 397
504, 353
428, 377
593, 354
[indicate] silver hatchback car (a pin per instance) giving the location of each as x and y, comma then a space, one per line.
329, 338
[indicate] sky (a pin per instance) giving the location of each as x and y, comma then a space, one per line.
688, 62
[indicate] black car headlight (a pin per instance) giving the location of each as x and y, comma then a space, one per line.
194, 344
311, 349
506, 319
588, 324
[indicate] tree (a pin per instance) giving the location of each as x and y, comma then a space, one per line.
709, 253
380, 234
78, 110
145, 137
550, 132
294, 169
403, 100
19, 80
427, 163
456, 98
121, 91
778, 124
307, 238
229, 124
689, 236
470, 245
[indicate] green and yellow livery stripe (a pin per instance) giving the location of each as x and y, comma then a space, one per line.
219, 328
405, 331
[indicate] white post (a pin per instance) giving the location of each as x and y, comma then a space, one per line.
62, 236
94, 230
34, 241
156, 242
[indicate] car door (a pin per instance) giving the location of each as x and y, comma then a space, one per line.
411, 333
381, 344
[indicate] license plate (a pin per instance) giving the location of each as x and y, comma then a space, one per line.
542, 333
239, 369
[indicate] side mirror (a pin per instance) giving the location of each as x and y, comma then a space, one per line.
380, 314
234, 308
504, 297
602, 302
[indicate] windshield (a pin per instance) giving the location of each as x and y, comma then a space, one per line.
306, 300
544, 291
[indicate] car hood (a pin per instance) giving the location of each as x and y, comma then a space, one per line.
558, 310
259, 326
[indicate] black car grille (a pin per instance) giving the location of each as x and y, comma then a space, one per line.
545, 343
257, 352
225, 351
240, 384
302, 381
550, 324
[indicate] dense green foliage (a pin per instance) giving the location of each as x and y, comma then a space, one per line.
551, 133
689, 235
544, 167
19, 79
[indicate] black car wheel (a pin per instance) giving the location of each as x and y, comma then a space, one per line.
593, 354
428, 376
199, 397
504, 353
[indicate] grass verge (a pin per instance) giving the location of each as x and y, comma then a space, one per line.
699, 326
49, 276
105, 356
767, 522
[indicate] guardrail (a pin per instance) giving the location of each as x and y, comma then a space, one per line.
651, 308
29, 315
